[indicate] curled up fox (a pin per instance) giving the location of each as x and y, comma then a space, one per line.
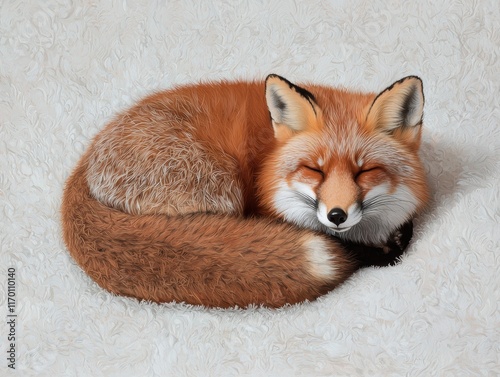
239, 193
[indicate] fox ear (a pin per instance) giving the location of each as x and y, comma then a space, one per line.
398, 110
292, 108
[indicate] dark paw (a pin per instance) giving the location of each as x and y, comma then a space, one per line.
400, 239
387, 254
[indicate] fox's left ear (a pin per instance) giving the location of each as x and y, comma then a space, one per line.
398, 110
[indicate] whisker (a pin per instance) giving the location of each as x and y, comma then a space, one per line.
383, 201
307, 200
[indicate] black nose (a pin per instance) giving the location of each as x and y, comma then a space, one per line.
337, 216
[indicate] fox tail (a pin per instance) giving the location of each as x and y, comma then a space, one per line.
202, 259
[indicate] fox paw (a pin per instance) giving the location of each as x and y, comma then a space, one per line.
400, 239
387, 254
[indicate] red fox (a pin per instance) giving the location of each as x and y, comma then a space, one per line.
246, 193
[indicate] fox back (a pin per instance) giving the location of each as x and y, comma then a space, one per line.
228, 194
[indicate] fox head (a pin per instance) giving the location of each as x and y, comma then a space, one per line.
345, 163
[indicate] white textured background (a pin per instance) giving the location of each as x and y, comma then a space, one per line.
67, 66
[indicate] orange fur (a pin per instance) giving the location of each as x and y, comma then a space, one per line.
175, 199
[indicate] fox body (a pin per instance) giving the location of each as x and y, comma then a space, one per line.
225, 194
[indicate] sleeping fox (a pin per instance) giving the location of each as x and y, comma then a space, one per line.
247, 193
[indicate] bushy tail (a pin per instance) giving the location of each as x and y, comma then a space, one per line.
204, 259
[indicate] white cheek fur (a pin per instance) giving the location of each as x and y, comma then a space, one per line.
398, 206
383, 215
393, 207
291, 204
304, 188
372, 224
382, 189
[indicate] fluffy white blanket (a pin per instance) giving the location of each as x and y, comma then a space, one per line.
67, 66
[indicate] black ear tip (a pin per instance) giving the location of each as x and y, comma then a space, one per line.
411, 77
417, 85
414, 78
274, 76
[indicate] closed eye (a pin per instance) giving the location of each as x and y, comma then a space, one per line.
375, 168
315, 170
